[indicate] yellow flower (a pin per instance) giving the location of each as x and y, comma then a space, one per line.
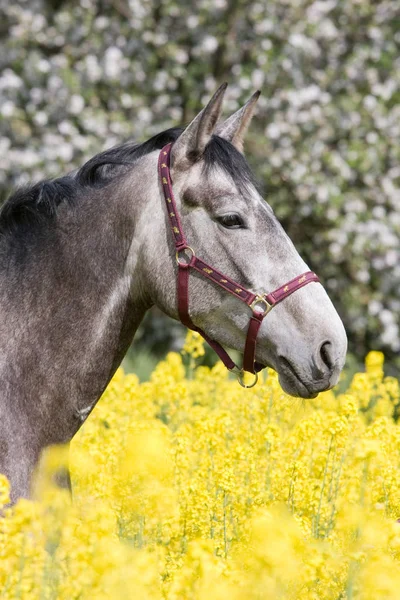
4, 491
190, 487
374, 364
194, 344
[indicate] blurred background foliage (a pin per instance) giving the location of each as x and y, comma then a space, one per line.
78, 76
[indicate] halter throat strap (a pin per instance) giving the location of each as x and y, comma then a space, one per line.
260, 304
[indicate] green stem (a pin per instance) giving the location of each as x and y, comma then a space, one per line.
317, 519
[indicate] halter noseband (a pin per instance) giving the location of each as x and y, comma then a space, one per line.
186, 260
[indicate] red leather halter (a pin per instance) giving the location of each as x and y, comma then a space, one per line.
186, 260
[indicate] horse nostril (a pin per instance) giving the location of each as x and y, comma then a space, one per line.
325, 353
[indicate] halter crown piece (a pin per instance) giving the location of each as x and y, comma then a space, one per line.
186, 259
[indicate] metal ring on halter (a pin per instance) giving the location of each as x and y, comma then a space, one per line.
245, 385
261, 300
240, 377
178, 252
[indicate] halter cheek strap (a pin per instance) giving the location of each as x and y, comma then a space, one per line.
186, 259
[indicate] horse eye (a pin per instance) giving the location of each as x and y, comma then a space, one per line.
231, 221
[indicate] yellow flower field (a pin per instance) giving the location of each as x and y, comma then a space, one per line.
188, 487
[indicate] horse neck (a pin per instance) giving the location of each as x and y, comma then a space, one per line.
79, 299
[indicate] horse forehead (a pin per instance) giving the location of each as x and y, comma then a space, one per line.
264, 211
210, 179
208, 186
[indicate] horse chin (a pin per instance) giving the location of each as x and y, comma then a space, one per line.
295, 387
288, 379
291, 382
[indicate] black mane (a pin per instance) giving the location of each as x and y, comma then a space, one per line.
38, 203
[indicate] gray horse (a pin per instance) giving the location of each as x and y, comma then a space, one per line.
83, 257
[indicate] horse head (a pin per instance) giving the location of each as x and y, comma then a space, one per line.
230, 226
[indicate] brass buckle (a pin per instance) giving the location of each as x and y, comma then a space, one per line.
189, 259
240, 377
260, 300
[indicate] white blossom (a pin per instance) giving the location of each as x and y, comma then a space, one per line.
112, 62
209, 44
76, 104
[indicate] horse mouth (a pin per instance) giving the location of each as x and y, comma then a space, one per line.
291, 382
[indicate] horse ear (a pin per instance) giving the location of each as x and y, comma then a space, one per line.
192, 142
234, 128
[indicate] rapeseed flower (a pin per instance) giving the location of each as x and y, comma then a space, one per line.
188, 487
